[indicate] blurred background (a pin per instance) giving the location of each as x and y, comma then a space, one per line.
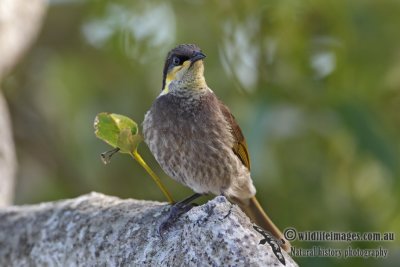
315, 86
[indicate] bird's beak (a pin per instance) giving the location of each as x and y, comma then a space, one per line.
196, 56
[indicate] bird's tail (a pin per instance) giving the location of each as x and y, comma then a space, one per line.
253, 209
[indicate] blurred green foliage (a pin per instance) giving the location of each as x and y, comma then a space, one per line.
315, 86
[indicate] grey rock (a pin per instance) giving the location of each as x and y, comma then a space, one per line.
99, 230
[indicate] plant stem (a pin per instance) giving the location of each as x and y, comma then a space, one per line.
157, 180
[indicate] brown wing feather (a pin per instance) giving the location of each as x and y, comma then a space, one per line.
240, 145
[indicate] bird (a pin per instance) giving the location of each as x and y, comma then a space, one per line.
197, 141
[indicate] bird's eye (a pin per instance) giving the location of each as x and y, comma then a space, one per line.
176, 61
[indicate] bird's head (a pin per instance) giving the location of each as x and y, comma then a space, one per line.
184, 68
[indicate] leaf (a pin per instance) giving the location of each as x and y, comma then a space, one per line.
122, 134
118, 131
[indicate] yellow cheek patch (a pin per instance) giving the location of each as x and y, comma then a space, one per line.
186, 64
172, 75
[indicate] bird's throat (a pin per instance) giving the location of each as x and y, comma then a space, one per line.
197, 84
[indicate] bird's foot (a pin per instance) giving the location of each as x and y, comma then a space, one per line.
175, 212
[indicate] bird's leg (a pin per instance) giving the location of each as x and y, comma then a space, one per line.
183, 206
176, 211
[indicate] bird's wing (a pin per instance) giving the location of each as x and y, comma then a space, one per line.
240, 145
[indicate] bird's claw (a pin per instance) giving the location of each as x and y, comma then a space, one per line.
175, 212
